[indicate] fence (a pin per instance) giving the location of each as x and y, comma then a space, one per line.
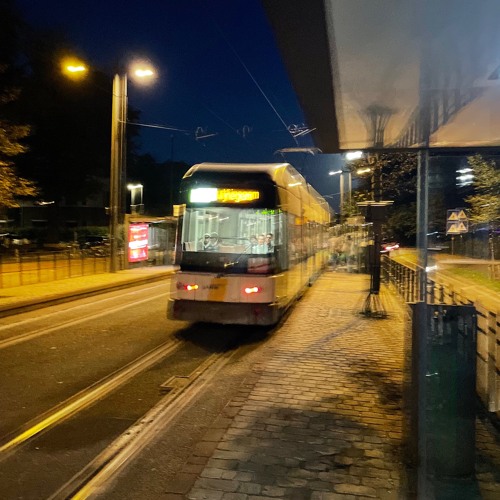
27, 269
410, 282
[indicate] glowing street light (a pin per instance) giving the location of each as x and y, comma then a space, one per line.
361, 171
136, 207
141, 73
353, 155
74, 68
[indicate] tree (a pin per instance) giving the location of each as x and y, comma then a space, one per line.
70, 143
485, 202
398, 183
11, 133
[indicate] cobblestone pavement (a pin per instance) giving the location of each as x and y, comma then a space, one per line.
321, 416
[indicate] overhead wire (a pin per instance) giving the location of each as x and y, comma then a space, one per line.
254, 80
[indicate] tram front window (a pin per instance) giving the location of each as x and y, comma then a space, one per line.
228, 230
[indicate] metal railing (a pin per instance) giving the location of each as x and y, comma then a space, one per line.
408, 282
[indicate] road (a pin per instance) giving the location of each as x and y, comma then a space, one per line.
86, 384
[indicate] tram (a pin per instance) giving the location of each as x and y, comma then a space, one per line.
251, 238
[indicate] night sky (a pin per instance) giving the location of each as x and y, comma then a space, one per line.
219, 72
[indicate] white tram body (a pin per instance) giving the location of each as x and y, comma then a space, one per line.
251, 238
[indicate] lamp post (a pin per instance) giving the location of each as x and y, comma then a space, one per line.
117, 170
76, 69
118, 159
342, 187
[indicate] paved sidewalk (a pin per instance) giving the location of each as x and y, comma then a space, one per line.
321, 418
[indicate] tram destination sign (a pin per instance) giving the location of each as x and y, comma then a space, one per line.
207, 195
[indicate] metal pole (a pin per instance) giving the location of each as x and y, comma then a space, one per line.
350, 189
116, 197
422, 217
342, 197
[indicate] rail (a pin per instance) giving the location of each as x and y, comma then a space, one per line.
409, 282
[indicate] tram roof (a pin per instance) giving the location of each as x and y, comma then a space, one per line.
268, 168
282, 174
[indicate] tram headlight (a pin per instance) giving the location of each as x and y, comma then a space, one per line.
252, 289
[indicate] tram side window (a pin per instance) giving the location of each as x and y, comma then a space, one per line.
294, 240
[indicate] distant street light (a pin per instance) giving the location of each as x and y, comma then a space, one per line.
311, 151
136, 208
353, 155
361, 171
74, 68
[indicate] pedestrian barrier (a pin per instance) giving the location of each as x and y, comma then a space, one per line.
28, 269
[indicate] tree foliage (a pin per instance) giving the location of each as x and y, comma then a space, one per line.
12, 133
485, 202
398, 183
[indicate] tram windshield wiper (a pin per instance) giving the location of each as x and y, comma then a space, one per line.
237, 260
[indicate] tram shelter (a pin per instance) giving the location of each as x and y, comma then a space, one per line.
417, 76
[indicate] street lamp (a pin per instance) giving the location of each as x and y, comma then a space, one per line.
138, 70
341, 184
353, 155
342, 188
133, 188
118, 152
74, 68
117, 170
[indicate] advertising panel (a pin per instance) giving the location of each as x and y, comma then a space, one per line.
137, 242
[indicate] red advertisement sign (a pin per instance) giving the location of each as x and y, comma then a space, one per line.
137, 242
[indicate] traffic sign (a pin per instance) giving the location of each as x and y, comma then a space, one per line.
457, 221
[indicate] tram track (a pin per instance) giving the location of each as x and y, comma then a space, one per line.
75, 446
129, 444
30, 335
167, 380
84, 398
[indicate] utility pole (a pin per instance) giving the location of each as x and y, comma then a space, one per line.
117, 170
